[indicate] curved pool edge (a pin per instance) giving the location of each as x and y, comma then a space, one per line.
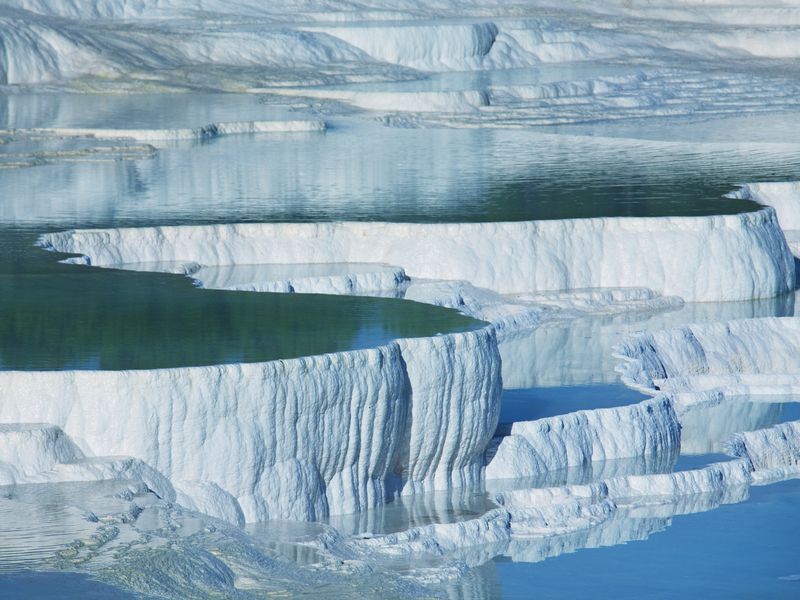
716, 258
288, 439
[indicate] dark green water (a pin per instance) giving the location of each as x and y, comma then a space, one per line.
55, 316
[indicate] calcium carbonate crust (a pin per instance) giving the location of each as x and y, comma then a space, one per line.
530, 448
735, 356
436, 443
205, 132
38, 453
784, 197
49, 41
707, 367
383, 422
730, 257
447, 451
288, 439
533, 523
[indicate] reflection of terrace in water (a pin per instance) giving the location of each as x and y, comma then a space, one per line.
424, 175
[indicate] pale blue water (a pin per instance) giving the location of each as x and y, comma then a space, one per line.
736, 552
62, 585
528, 404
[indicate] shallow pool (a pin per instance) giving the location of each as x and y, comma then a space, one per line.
746, 550
54, 316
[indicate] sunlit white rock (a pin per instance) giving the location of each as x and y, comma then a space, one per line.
205, 132
309, 279
547, 255
33, 448
784, 197
367, 424
646, 429
765, 449
210, 499
723, 351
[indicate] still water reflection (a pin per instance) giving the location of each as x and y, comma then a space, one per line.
54, 316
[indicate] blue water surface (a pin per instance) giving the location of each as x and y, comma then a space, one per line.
740, 551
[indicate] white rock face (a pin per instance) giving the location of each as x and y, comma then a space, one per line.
529, 523
733, 257
581, 351
647, 429
109, 469
205, 132
426, 47
712, 354
772, 454
210, 499
309, 437
712, 365
784, 197
295, 439
39, 49
308, 279
35, 51
712, 479
309, 49
32, 448
41, 454
455, 390
399, 35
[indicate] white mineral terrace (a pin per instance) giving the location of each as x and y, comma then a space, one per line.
732, 257
160, 477
205, 132
367, 424
371, 424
